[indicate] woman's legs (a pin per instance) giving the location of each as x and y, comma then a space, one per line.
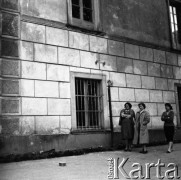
170, 146
127, 144
169, 134
144, 148
130, 145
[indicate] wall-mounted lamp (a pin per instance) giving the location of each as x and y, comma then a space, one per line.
109, 83
100, 62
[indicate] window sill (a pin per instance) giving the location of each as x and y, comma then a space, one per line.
85, 30
90, 131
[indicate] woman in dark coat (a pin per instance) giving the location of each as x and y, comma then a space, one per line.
169, 127
126, 122
141, 135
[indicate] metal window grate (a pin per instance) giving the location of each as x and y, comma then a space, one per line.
88, 103
174, 11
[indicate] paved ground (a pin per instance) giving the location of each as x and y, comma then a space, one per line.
91, 166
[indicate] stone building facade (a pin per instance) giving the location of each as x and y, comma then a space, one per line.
45, 51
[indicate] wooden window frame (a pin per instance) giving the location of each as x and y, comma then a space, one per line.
95, 25
104, 116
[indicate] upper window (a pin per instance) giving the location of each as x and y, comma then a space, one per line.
82, 10
175, 18
84, 13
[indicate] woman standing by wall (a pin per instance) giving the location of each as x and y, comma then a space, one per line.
169, 127
126, 122
141, 135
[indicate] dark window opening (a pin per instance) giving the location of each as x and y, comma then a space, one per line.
88, 103
175, 23
87, 10
76, 9
76, 2
88, 15
82, 9
87, 4
179, 99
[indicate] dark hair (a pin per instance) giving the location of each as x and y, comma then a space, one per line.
143, 104
129, 104
169, 105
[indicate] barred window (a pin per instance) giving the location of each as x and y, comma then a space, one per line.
175, 23
88, 103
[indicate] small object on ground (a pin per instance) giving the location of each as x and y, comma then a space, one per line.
62, 164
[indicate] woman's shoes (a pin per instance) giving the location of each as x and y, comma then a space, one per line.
144, 152
129, 149
169, 151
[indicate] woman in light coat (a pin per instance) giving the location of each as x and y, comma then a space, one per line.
141, 135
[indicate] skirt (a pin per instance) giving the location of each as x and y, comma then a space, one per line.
169, 133
127, 129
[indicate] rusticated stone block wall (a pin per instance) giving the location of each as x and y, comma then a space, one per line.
35, 72
138, 74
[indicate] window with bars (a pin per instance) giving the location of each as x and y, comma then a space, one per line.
88, 96
175, 23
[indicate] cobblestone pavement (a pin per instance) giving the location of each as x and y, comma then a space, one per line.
91, 166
